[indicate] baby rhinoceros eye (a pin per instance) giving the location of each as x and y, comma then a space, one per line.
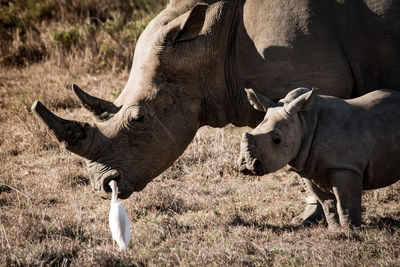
276, 140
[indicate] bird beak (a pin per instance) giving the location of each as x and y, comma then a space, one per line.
114, 188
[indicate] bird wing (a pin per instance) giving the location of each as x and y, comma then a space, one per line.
119, 225
125, 224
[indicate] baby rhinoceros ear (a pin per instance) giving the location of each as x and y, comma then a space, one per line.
303, 102
258, 101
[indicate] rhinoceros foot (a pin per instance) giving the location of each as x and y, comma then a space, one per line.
312, 214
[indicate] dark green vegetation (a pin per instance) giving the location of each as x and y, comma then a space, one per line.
201, 211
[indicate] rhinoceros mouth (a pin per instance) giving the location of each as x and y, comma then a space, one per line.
122, 192
107, 180
125, 188
106, 192
252, 166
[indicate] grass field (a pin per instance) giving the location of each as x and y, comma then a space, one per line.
201, 211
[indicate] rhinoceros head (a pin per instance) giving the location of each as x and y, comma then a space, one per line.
155, 117
130, 143
277, 139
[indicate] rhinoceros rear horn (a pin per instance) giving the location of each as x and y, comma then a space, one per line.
100, 108
74, 136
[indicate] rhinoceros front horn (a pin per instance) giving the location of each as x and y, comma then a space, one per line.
74, 136
100, 108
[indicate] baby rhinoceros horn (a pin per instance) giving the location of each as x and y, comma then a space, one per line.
74, 136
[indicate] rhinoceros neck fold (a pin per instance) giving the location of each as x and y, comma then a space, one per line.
309, 123
225, 101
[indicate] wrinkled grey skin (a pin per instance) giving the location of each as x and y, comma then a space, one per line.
341, 146
193, 61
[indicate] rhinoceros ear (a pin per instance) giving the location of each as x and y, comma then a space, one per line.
295, 93
302, 103
193, 24
257, 101
100, 108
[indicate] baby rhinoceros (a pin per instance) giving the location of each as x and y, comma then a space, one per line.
340, 146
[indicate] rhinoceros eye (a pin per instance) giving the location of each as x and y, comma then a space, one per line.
139, 118
135, 118
138, 122
276, 137
277, 140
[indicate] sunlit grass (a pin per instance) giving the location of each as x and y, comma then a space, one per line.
199, 212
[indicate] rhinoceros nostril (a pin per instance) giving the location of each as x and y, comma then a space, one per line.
247, 136
241, 162
245, 171
257, 167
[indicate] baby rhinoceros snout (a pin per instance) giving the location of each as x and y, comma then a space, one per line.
253, 168
249, 164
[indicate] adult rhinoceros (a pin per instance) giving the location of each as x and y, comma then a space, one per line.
193, 61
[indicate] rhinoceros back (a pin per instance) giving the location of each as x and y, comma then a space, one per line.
382, 136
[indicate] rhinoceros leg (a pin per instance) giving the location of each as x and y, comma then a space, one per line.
313, 211
328, 201
347, 187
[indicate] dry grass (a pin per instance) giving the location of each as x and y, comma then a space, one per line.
201, 211
100, 34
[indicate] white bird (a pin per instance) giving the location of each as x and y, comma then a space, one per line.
118, 219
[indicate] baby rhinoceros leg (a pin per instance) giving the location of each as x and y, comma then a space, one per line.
347, 187
313, 211
328, 202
